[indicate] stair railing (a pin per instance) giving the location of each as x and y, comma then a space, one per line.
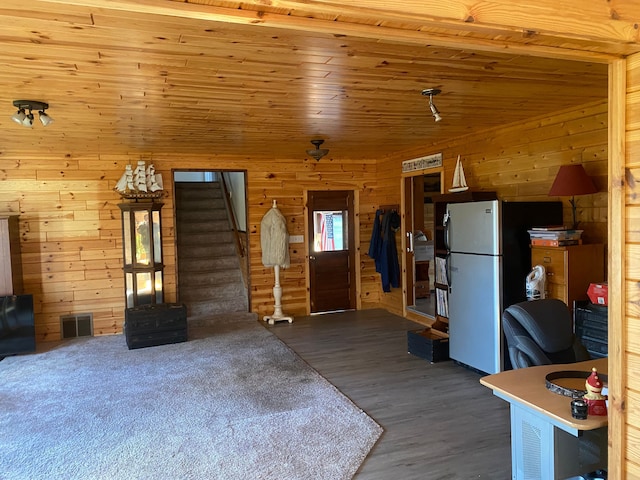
232, 217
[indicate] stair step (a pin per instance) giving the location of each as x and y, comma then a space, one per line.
200, 210
198, 228
194, 228
198, 190
207, 250
199, 216
209, 239
207, 264
214, 293
210, 278
204, 226
205, 200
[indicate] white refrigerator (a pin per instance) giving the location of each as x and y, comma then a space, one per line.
474, 242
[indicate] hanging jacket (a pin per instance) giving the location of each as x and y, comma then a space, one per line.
274, 239
376, 238
383, 250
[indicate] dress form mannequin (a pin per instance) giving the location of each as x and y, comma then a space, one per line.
275, 252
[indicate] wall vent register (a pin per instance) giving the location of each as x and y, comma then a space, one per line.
80, 325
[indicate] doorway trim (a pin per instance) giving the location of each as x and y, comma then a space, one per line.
246, 261
407, 257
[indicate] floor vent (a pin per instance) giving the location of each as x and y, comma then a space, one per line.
80, 325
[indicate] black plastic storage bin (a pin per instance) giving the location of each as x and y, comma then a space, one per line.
591, 327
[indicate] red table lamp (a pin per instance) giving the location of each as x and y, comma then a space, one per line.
572, 180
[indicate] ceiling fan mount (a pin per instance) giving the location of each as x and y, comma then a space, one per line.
318, 152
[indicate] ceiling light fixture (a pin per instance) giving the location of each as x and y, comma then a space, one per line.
318, 152
26, 119
430, 92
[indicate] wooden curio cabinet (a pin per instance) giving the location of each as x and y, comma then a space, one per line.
142, 253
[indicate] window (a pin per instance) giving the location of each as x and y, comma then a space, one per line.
329, 231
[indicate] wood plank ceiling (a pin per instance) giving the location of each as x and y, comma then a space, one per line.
164, 76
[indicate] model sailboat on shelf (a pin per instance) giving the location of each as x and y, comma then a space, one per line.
459, 183
141, 182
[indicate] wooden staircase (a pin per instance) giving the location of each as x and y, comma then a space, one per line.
210, 278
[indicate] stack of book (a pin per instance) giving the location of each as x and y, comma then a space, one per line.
554, 236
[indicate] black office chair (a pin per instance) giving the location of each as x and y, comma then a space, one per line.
540, 332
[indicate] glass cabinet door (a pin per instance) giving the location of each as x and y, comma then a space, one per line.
142, 253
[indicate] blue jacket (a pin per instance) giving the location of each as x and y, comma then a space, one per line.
382, 248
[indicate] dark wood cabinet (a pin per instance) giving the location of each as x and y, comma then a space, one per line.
151, 325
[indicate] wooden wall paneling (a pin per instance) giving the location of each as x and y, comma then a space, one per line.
624, 416
387, 192
500, 160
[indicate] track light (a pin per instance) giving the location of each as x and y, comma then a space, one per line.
435, 112
44, 118
318, 153
430, 92
26, 119
19, 116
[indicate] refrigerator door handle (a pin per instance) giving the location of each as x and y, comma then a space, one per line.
445, 223
410, 242
447, 262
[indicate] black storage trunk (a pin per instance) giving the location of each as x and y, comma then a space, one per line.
151, 325
429, 344
591, 327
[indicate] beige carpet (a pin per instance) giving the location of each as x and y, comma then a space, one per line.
233, 402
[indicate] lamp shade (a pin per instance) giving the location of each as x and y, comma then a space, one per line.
572, 180
19, 116
45, 119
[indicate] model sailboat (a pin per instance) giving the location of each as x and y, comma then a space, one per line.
459, 183
141, 182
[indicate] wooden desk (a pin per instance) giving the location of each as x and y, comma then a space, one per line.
546, 441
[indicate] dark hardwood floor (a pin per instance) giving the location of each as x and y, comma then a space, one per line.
439, 422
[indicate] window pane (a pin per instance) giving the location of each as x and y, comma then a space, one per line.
129, 289
145, 292
143, 242
329, 231
157, 243
126, 236
159, 293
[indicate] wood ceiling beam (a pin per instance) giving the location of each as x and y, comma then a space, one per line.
579, 33
595, 21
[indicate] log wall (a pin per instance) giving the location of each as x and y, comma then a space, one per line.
520, 162
626, 332
71, 229
71, 232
